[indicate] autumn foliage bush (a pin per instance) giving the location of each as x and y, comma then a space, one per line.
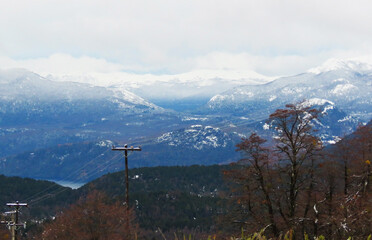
94, 217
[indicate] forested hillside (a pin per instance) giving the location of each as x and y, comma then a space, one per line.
43, 197
167, 198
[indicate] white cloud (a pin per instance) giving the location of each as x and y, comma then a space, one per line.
62, 64
266, 65
269, 36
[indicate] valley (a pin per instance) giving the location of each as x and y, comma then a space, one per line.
64, 130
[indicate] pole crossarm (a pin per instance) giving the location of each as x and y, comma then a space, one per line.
17, 204
125, 148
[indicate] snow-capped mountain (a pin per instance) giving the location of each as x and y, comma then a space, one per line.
340, 64
20, 84
68, 120
331, 125
347, 84
178, 91
36, 112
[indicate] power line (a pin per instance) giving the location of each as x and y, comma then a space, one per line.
65, 178
57, 191
144, 142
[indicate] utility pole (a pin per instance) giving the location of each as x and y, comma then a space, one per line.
14, 224
126, 149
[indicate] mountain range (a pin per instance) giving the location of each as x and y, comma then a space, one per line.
348, 85
64, 130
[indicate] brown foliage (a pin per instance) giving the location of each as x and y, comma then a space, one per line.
4, 233
254, 186
294, 186
353, 211
92, 218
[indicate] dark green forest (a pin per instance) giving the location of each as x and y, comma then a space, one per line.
166, 198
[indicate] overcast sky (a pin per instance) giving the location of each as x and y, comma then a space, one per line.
278, 37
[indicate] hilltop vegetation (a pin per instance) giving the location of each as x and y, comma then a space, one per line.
167, 198
43, 197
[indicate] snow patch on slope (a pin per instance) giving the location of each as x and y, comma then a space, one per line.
342, 89
316, 102
196, 136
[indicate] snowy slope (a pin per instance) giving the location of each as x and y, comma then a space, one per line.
20, 84
197, 83
197, 137
331, 125
347, 84
36, 112
185, 91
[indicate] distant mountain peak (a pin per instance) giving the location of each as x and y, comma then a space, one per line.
342, 64
18, 84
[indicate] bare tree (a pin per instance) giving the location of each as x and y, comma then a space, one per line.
277, 183
364, 145
256, 161
345, 177
297, 145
